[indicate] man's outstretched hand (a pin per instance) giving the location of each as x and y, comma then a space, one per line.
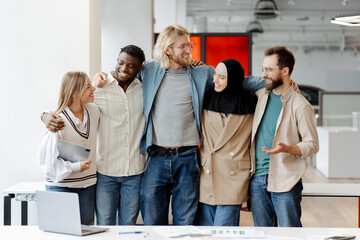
278, 149
282, 147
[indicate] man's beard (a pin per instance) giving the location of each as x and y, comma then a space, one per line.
179, 60
273, 84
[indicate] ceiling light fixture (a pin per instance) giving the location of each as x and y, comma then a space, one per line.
254, 27
347, 20
266, 9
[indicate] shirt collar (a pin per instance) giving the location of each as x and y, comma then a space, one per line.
286, 95
112, 80
75, 119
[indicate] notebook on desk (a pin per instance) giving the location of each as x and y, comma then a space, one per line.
60, 212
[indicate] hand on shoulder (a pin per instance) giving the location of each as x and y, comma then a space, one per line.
99, 80
52, 121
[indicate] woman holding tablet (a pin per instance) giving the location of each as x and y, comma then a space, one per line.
81, 119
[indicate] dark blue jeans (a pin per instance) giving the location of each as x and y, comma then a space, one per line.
270, 208
119, 195
86, 201
219, 215
164, 176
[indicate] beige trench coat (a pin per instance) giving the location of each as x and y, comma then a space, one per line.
225, 159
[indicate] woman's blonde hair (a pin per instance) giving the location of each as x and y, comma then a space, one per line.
167, 37
72, 82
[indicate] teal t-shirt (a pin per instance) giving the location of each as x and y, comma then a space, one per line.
266, 133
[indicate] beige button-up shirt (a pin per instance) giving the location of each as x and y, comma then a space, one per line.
295, 125
121, 127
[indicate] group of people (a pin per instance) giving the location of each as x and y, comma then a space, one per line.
254, 136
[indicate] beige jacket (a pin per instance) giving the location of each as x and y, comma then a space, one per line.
295, 125
225, 159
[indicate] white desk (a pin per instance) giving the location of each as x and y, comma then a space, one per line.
338, 155
24, 192
333, 190
33, 233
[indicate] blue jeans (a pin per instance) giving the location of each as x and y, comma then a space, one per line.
271, 208
164, 176
117, 195
219, 215
86, 201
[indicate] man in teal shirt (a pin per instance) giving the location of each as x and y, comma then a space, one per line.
283, 136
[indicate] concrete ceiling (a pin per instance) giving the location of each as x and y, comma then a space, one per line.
300, 24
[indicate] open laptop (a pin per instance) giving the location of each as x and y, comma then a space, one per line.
60, 212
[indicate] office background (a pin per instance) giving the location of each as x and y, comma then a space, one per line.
42, 39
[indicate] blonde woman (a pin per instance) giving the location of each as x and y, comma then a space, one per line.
81, 119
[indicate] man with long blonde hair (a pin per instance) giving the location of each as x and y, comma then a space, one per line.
173, 94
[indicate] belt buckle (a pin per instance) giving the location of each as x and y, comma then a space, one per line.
171, 151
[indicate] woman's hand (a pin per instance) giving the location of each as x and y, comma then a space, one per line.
85, 164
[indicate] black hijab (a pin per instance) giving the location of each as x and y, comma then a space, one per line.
234, 99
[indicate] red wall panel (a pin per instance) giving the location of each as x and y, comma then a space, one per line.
196, 51
219, 48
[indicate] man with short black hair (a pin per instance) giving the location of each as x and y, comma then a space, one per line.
120, 165
283, 136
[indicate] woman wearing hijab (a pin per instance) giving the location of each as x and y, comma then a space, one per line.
225, 158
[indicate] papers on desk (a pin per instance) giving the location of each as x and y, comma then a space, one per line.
219, 233
180, 231
237, 233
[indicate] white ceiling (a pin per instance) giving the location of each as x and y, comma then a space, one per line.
301, 24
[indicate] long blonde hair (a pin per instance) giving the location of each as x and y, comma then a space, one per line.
167, 37
72, 82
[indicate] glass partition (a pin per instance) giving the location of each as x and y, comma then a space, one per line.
336, 108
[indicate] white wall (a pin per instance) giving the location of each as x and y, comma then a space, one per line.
331, 71
167, 12
40, 41
94, 36
124, 23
